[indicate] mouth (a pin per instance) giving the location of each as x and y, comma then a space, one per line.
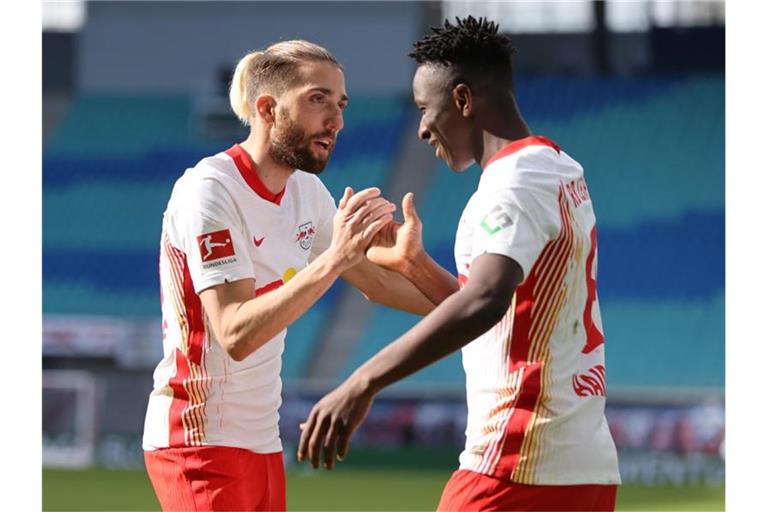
439, 153
325, 145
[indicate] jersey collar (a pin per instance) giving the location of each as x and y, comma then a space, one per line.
517, 145
247, 170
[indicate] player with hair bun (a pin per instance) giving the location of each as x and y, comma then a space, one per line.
251, 238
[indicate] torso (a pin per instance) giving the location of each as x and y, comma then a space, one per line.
536, 380
201, 396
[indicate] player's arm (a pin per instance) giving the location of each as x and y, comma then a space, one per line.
428, 276
243, 323
404, 276
388, 288
459, 319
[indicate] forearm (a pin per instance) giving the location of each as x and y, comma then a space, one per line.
395, 291
250, 324
430, 278
459, 319
387, 288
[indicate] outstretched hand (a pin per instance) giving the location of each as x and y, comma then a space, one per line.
395, 245
359, 218
326, 433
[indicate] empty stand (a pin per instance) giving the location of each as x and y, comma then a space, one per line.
108, 172
653, 151
654, 157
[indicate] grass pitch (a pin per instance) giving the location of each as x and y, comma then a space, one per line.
340, 489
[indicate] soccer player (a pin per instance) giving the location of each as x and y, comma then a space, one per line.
526, 318
251, 238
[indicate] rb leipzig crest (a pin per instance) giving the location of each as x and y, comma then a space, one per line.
305, 235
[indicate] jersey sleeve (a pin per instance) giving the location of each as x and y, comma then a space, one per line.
517, 223
207, 227
327, 210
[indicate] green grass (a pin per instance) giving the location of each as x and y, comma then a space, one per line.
341, 489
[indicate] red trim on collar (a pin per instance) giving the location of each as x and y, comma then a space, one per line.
517, 145
248, 171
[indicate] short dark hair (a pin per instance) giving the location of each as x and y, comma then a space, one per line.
472, 48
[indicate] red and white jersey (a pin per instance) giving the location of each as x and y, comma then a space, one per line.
222, 224
536, 380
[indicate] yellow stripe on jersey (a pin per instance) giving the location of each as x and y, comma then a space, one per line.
198, 384
175, 264
549, 295
508, 394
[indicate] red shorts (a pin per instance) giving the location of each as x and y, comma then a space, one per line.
216, 478
467, 490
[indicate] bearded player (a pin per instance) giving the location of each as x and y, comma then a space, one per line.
526, 318
251, 239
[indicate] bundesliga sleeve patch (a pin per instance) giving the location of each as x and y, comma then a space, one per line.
496, 220
215, 247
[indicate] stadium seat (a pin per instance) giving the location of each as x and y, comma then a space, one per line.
108, 172
653, 154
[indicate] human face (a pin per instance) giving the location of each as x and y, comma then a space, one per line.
309, 117
442, 124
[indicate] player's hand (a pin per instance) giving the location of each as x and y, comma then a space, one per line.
396, 245
358, 219
326, 433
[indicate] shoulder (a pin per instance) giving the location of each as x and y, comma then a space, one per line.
206, 181
535, 169
307, 180
310, 185
217, 167
530, 181
549, 173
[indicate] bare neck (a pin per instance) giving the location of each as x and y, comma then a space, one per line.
272, 174
500, 125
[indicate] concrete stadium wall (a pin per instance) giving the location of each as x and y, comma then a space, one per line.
180, 47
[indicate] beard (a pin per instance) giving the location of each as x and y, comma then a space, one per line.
291, 145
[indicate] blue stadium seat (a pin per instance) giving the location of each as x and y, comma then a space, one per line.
387, 325
654, 156
123, 126
108, 172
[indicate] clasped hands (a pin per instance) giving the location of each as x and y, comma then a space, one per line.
364, 224
332, 421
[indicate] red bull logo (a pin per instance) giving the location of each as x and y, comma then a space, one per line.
305, 235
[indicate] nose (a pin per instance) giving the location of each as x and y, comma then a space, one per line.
423, 131
336, 120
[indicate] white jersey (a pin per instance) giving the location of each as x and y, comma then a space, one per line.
536, 380
222, 224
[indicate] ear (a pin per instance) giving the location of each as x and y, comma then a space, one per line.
266, 108
462, 98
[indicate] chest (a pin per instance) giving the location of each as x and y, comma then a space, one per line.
280, 238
